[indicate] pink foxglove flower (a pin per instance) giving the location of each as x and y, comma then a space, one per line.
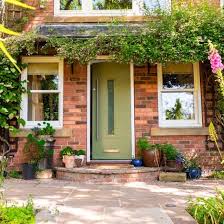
215, 60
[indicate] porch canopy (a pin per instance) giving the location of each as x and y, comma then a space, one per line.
86, 30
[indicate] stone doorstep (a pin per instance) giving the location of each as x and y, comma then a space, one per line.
104, 171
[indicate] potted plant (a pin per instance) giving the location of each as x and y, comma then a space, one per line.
193, 169
68, 158
33, 152
170, 154
79, 157
46, 133
150, 153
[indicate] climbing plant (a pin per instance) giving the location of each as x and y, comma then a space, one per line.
177, 36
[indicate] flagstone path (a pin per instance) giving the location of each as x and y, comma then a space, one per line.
64, 202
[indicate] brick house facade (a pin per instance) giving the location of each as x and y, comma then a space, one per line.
189, 140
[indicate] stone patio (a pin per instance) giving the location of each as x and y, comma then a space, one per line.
72, 203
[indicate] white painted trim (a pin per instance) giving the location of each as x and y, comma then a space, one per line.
197, 122
221, 4
24, 103
89, 109
88, 154
132, 87
137, 9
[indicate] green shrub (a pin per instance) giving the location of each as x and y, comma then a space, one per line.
208, 210
218, 175
17, 215
14, 174
169, 151
67, 151
80, 152
143, 143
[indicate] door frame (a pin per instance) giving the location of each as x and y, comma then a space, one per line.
100, 60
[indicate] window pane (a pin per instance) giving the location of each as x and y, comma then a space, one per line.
111, 4
178, 76
43, 107
178, 106
70, 4
42, 76
42, 82
178, 81
151, 4
110, 86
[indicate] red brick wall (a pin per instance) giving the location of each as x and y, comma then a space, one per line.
146, 115
46, 15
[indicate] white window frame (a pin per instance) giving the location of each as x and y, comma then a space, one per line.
137, 9
24, 104
197, 122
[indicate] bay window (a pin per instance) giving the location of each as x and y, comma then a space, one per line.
179, 98
107, 7
44, 99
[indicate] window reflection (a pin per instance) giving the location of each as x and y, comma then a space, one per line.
178, 106
70, 4
42, 82
43, 106
111, 4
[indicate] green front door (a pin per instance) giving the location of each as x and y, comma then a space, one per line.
111, 111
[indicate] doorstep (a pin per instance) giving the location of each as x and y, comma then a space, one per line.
118, 174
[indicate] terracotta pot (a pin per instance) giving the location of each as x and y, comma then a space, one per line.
151, 158
69, 161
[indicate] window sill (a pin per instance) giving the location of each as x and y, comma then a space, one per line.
179, 131
60, 133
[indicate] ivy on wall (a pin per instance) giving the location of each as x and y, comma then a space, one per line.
180, 36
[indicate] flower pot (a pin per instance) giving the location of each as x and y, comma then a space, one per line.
82, 157
69, 161
171, 163
193, 173
78, 162
151, 158
137, 162
28, 171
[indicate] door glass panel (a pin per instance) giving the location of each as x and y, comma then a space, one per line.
70, 4
111, 4
110, 87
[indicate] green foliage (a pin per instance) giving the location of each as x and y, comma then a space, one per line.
218, 175
17, 215
34, 149
208, 210
169, 151
46, 130
176, 112
143, 143
80, 152
180, 36
67, 151
14, 174
191, 163
11, 89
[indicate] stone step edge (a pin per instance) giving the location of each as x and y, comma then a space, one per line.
85, 170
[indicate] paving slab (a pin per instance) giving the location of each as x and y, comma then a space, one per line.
152, 203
